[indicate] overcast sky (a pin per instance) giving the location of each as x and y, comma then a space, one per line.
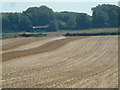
76, 6
59, 0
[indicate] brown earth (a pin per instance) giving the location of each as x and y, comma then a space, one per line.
55, 62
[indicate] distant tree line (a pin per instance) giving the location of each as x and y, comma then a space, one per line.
103, 16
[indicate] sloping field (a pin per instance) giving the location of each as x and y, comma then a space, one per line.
61, 62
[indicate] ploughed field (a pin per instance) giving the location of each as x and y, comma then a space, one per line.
60, 62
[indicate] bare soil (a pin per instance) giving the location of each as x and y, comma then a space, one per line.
70, 62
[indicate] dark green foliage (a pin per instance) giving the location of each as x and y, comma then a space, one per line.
83, 21
53, 26
10, 21
100, 19
92, 34
32, 35
39, 16
67, 20
103, 16
24, 23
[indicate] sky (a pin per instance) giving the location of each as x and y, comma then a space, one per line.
82, 7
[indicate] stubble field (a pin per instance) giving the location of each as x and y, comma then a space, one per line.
60, 62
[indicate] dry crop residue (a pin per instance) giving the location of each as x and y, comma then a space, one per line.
71, 62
